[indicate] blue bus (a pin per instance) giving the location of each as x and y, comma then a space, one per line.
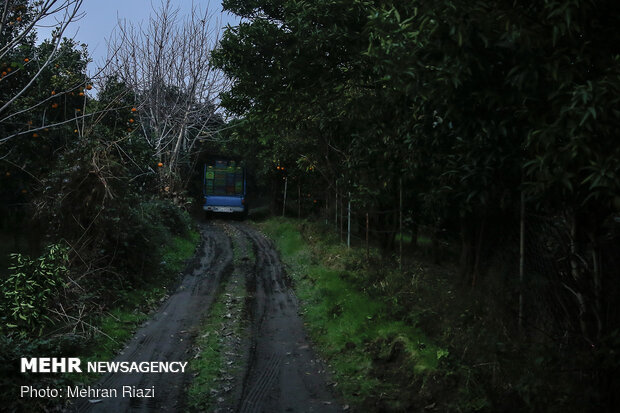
225, 187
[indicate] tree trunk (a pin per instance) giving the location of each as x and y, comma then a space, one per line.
467, 251
414, 236
521, 259
478, 252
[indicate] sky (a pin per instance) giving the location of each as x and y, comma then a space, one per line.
101, 16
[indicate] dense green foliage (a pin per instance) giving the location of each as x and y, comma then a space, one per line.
475, 109
447, 95
86, 225
30, 287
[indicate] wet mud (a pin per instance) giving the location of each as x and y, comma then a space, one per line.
281, 372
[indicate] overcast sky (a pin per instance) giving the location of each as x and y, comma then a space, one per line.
101, 16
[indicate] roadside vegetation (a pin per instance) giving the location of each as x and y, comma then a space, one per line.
96, 321
407, 340
380, 360
94, 222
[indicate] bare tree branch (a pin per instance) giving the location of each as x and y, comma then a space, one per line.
167, 65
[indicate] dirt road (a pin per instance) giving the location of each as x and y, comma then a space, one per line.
281, 372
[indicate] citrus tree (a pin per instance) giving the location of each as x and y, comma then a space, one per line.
25, 65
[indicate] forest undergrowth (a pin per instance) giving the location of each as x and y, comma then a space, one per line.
416, 339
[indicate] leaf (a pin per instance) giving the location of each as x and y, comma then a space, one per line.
567, 183
592, 112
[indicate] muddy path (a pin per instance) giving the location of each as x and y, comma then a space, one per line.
167, 336
283, 374
280, 371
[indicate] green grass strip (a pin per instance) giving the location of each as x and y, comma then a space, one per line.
367, 347
217, 363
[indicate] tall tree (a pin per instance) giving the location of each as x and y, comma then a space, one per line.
470, 104
167, 65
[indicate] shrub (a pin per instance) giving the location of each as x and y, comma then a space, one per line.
32, 283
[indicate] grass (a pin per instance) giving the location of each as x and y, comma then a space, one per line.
207, 365
421, 339
372, 351
217, 356
218, 353
179, 250
423, 241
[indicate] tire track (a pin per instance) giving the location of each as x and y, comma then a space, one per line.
252, 401
283, 374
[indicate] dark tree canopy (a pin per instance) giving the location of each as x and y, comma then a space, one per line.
471, 106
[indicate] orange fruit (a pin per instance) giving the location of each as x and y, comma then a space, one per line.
24, 191
8, 69
89, 87
26, 60
75, 130
78, 110
54, 105
35, 135
53, 92
18, 19
133, 109
131, 121
8, 174
160, 164
3, 73
81, 93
